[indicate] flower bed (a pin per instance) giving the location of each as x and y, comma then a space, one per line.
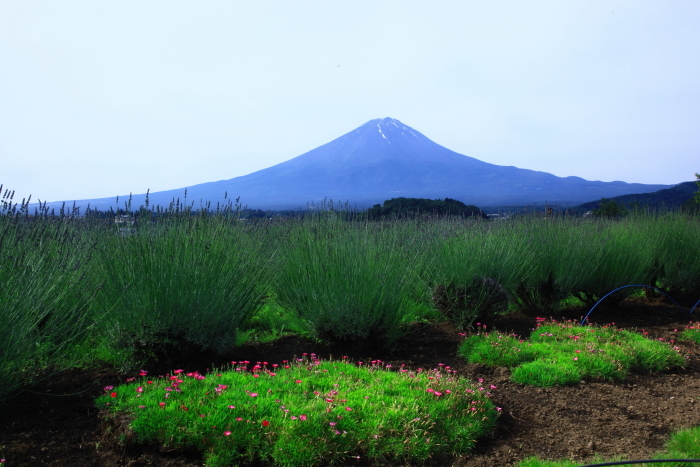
562, 353
307, 411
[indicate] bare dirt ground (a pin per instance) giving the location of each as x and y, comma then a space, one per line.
56, 423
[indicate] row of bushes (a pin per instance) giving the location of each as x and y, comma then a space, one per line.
198, 279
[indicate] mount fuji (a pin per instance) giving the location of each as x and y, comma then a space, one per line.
385, 159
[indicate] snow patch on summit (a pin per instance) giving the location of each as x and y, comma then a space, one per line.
386, 122
380, 132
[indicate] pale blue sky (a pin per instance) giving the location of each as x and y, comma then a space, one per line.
105, 98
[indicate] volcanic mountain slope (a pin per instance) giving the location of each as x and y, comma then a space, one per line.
385, 159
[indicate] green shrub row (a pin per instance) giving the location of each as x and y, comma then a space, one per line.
179, 279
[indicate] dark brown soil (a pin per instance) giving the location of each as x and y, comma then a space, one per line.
55, 423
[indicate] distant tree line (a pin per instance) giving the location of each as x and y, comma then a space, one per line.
680, 196
413, 206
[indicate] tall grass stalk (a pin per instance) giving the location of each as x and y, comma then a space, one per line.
46, 293
586, 258
350, 280
676, 252
474, 265
627, 257
186, 280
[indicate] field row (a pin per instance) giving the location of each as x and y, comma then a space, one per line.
204, 280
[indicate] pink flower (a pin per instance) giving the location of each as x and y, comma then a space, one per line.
227, 433
239, 419
349, 409
265, 423
162, 404
114, 394
231, 406
253, 394
139, 389
297, 381
302, 417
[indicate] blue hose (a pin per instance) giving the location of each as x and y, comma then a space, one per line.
696, 304
646, 461
633, 285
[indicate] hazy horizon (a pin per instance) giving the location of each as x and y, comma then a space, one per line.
100, 100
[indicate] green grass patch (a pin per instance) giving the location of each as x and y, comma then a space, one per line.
562, 353
691, 333
307, 412
684, 444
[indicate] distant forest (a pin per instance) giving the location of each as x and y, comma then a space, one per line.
404, 206
679, 196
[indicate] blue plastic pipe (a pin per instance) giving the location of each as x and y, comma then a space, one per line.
633, 285
696, 304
